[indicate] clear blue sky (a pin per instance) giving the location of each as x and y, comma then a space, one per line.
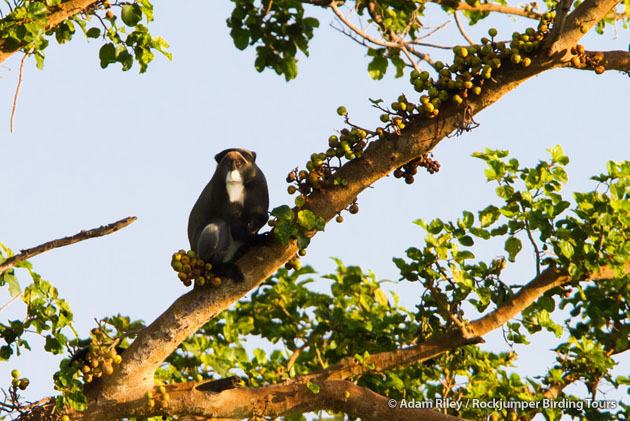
92, 146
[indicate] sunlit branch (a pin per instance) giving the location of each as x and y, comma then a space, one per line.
61, 242
63, 11
490, 7
461, 29
609, 60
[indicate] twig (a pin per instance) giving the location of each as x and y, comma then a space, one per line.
461, 29
61, 242
4, 307
499, 8
413, 62
531, 240
359, 32
17, 90
427, 44
294, 357
433, 31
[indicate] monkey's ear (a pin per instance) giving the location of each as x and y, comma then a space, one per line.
218, 157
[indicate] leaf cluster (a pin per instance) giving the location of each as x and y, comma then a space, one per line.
278, 29
26, 27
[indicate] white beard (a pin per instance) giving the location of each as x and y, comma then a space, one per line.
234, 187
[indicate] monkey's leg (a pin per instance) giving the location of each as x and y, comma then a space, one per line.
214, 241
217, 246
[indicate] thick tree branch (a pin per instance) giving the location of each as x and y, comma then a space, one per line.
61, 242
576, 24
609, 60
189, 401
62, 12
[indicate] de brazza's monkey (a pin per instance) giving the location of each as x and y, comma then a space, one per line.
229, 212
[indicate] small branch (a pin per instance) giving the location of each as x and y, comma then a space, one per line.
359, 32
11, 301
323, 3
443, 307
400, 44
531, 240
487, 7
295, 356
413, 62
461, 29
428, 34
17, 90
61, 242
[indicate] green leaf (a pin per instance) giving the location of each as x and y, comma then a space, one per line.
309, 221
436, 226
489, 216
377, 67
107, 54
93, 33
240, 37
283, 212
302, 240
466, 240
312, 22
566, 248
381, 297
312, 387
131, 14
14, 285
469, 219
557, 155
513, 246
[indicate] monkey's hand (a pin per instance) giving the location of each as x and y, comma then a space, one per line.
264, 239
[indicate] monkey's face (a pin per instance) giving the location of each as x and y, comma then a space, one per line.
236, 166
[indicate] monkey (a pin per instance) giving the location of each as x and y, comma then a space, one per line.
229, 212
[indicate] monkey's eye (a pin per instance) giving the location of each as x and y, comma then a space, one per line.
238, 163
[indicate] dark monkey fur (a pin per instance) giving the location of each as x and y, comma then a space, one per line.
229, 212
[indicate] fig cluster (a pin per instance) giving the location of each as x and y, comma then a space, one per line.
594, 60
100, 359
17, 382
161, 398
410, 169
191, 269
471, 67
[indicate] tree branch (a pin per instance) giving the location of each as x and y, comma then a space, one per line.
63, 11
461, 29
189, 401
489, 7
61, 242
609, 60
577, 24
